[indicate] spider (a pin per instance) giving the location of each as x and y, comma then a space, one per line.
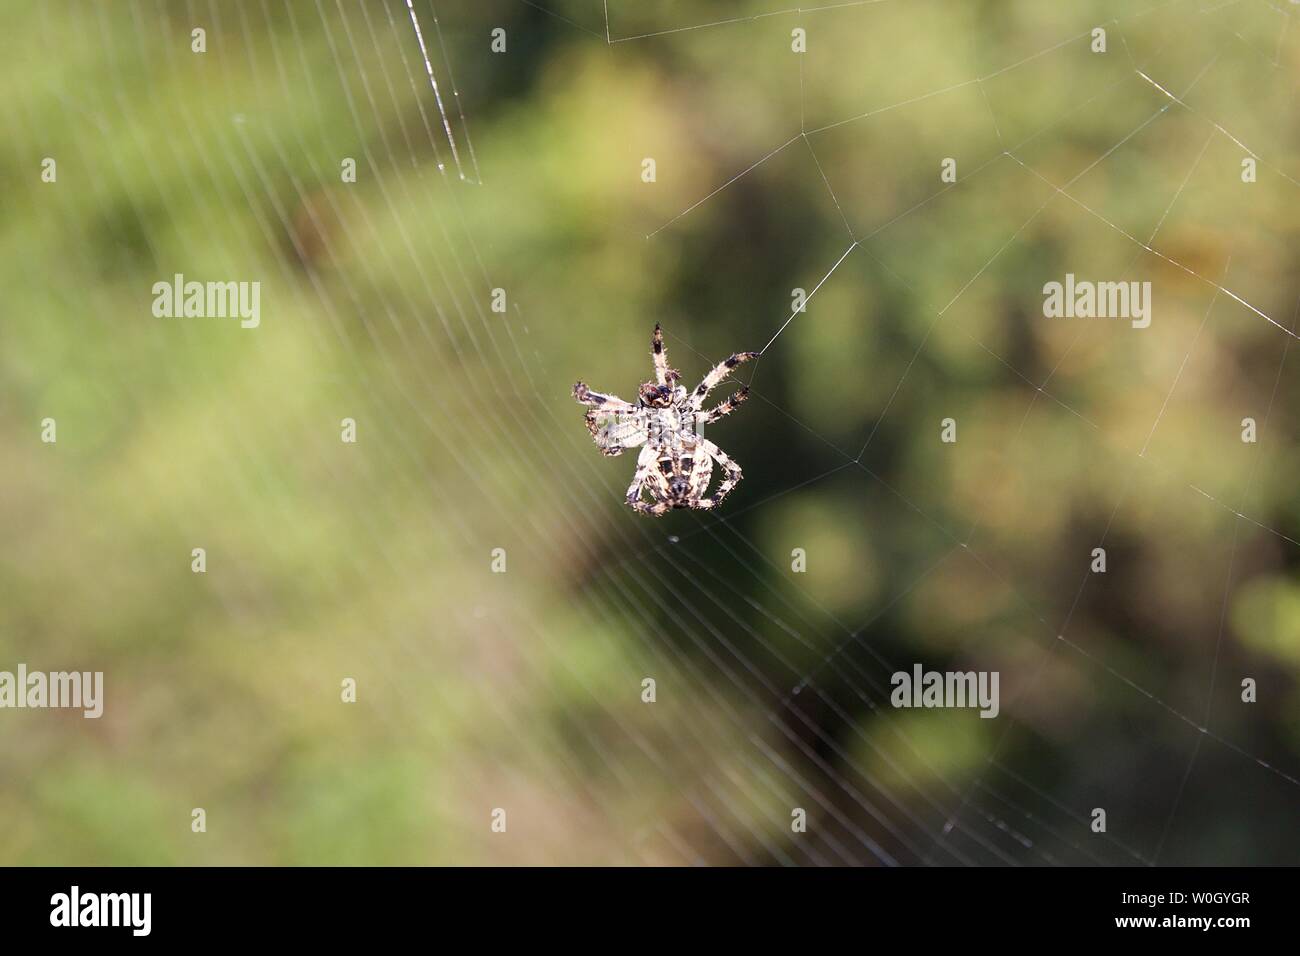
676, 464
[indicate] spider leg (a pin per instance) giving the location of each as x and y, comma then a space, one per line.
644, 463
715, 377
733, 475
615, 432
650, 507
701, 470
604, 403
724, 408
663, 374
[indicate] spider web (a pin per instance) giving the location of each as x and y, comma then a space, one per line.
996, 814
773, 687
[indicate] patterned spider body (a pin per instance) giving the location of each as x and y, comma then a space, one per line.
676, 463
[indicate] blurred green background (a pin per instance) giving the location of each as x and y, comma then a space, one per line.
523, 690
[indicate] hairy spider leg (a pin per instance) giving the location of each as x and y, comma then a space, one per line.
719, 372
700, 470
732, 478
644, 471
643, 463
627, 431
726, 407
604, 403
662, 372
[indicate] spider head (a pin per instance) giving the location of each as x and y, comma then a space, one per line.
656, 396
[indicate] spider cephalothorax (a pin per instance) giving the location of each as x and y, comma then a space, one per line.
654, 395
676, 464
